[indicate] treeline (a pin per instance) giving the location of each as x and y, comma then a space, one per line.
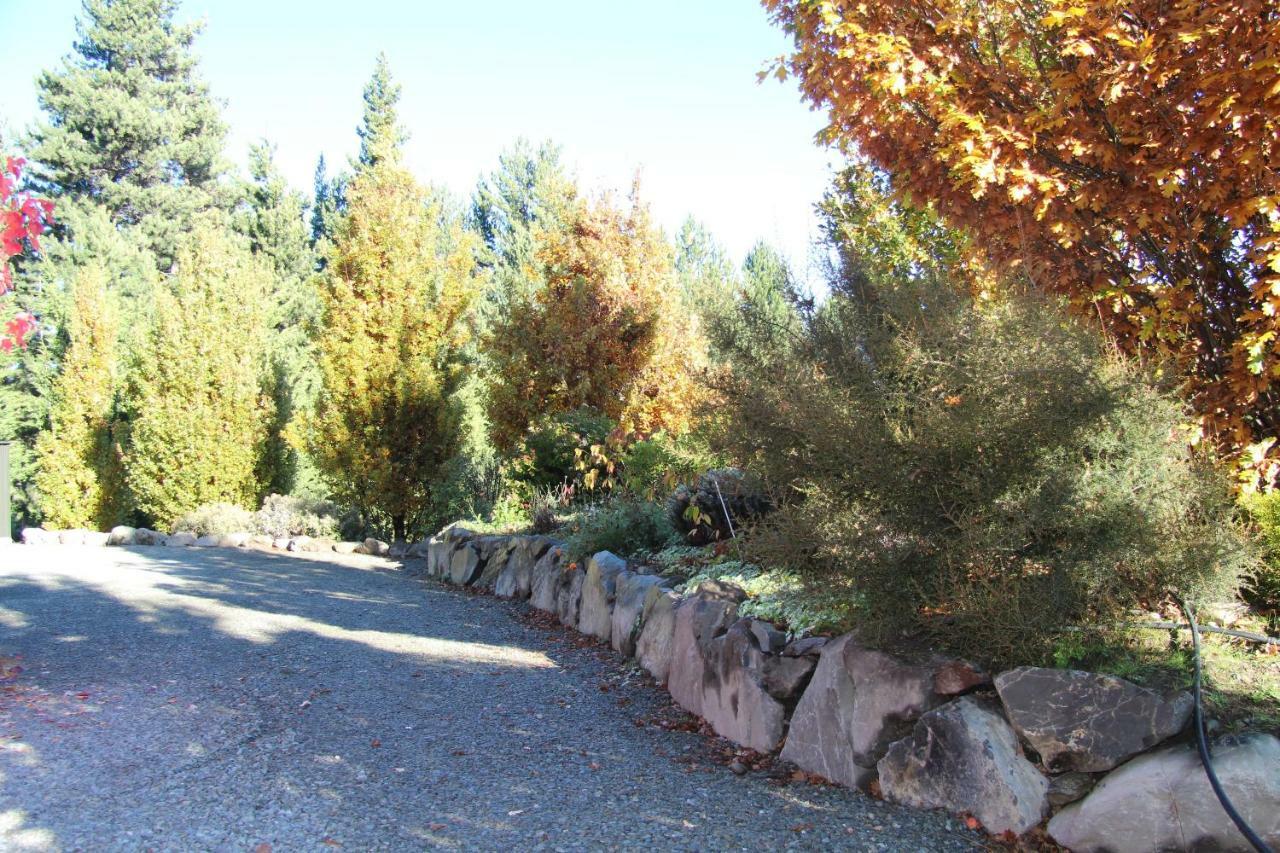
209, 338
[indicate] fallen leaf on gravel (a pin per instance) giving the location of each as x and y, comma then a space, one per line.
972, 822
459, 752
330, 842
594, 765
375, 743
263, 847
436, 827
801, 827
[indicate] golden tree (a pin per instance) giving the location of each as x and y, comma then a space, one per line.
606, 332
1123, 154
79, 479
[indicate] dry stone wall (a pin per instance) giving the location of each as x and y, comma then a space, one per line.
1108, 763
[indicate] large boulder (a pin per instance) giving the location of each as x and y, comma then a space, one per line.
516, 578
439, 555
857, 703
466, 564
74, 536
633, 593
206, 541
569, 596
122, 535
599, 588
345, 547
496, 551
1084, 721
38, 536
376, 547
734, 699
96, 539
1163, 801
146, 536
181, 539
964, 757
234, 540
657, 630
699, 619
545, 580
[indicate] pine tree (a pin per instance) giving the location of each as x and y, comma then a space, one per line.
79, 481
327, 204
396, 291
708, 284
199, 415
273, 219
131, 125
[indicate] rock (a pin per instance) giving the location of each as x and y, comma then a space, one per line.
206, 542
1068, 787
808, 647
544, 589
785, 677
657, 630
496, 554
959, 676
768, 638
737, 768
233, 540
397, 549
300, 544
260, 540
1163, 801
38, 536
418, 550
345, 547
465, 565
439, 555
146, 536
599, 588
181, 539
376, 547
964, 757
456, 533
516, 578
71, 537
569, 596
1084, 721
857, 703
281, 543
633, 593
122, 535
95, 539
699, 618
733, 698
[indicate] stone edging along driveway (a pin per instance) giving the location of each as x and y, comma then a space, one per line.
1107, 762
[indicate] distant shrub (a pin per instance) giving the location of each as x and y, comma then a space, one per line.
286, 515
215, 519
544, 510
623, 525
1262, 588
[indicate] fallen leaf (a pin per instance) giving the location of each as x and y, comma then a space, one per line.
436, 827
375, 743
262, 847
594, 765
330, 842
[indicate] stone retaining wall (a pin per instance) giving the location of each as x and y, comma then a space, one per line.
1109, 764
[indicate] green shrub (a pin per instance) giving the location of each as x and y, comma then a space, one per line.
216, 519
979, 471
286, 515
658, 464
557, 452
1262, 589
623, 525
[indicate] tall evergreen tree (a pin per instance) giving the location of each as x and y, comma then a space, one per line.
327, 203
273, 218
80, 481
708, 284
396, 291
131, 125
199, 416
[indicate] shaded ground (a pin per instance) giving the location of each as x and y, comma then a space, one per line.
212, 699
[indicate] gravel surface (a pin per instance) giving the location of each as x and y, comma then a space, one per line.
183, 699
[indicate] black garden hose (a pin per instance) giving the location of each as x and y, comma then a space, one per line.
1203, 743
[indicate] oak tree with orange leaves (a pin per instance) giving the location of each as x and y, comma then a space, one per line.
1123, 154
604, 333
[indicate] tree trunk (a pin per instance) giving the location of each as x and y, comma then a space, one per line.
397, 528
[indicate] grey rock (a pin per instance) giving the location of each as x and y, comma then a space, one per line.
699, 618
398, 549
768, 638
260, 540
71, 537
657, 630
1084, 721
964, 757
122, 535
96, 539
633, 593
465, 565
209, 541
376, 547
1162, 801
857, 703
233, 540
807, 647
456, 533
546, 577
281, 543
599, 588
439, 555
345, 547
785, 677
516, 578
569, 596
418, 550
1068, 787
733, 697
146, 536
959, 676
496, 551
38, 536
181, 540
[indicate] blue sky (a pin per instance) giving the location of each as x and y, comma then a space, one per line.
665, 86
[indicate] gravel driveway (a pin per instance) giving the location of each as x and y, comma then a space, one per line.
235, 700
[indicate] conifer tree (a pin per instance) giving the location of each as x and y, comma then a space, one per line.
79, 481
199, 416
328, 201
273, 219
131, 125
396, 292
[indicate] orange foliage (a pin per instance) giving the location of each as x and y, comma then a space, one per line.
1124, 154
606, 332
